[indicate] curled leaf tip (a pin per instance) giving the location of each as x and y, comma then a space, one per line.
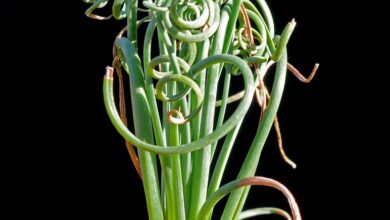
314, 71
316, 66
176, 117
264, 211
98, 17
109, 73
293, 21
280, 144
300, 76
292, 164
152, 6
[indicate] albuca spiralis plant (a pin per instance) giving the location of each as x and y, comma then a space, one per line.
177, 118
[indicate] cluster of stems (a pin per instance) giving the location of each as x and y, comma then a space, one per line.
177, 118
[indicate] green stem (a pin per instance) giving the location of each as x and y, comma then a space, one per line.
223, 159
178, 207
232, 208
203, 157
142, 126
203, 48
222, 109
169, 182
159, 135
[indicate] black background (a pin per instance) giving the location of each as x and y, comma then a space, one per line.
80, 166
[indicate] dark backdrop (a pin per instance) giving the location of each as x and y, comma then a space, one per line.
82, 168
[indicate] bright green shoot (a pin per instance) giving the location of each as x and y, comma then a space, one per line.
177, 118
